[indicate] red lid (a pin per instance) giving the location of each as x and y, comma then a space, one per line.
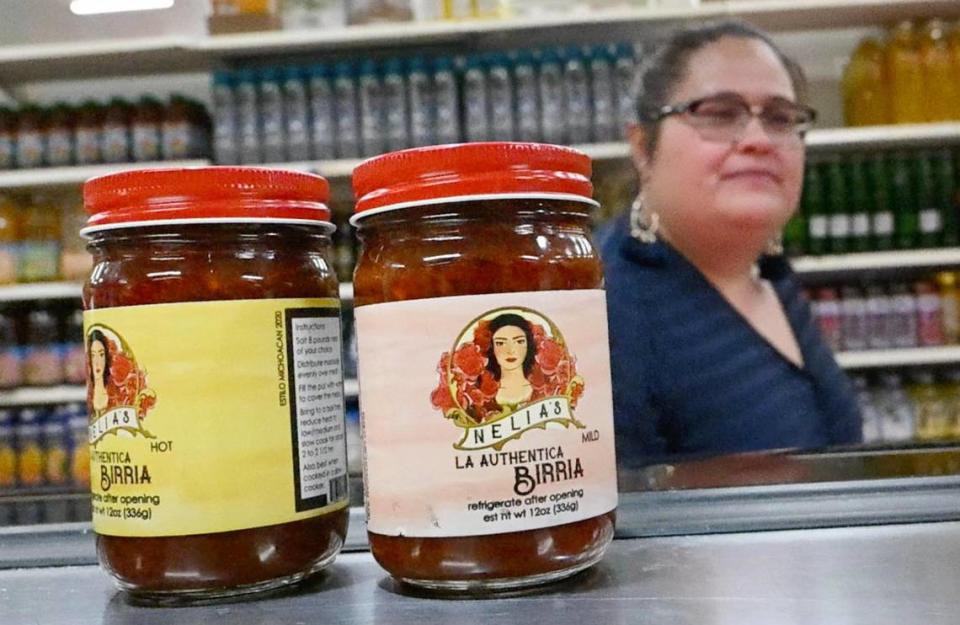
471, 171
204, 195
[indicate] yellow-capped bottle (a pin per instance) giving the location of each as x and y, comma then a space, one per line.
939, 74
953, 43
905, 76
865, 98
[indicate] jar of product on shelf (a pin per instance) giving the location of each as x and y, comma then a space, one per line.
949, 305
11, 355
39, 250
30, 456
929, 314
499, 472
87, 131
42, 362
212, 328
75, 260
9, 239
370, 11
8, 138
827, 311
59, 144
8, 448
31, 136
147, 118
56, 446
74, 358
79, 447
185, 130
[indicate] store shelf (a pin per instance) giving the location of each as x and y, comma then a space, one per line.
898, 136
38, 62
66, 176
837, 263
40, 291
30, 396
904, 357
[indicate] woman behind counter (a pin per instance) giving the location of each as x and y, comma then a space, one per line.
714, 349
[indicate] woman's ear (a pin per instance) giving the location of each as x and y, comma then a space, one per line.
637, 138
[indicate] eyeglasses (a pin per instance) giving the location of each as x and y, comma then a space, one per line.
724, 117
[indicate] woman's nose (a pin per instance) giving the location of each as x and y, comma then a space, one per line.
755, 136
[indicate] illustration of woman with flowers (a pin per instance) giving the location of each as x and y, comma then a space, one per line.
99, 354
510, 358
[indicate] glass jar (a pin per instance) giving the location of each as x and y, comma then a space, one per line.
489, 457
212, 332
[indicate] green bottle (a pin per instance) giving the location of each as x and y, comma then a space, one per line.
795, 235
880, 206
945, 187
930, 210
903, 199
815, 211
837, 205
859, 201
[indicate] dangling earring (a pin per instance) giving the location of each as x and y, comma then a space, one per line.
643, 226
774, 246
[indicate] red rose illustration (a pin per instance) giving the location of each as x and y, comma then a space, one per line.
469, 360
120, 368
482, 336
549, 356
488, 385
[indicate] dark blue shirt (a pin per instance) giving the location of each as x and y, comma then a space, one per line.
692, 377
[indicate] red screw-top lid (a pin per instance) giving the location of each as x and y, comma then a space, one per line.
471, 171
148, 197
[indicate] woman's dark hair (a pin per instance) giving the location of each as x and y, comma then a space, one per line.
97, 335
502, 321
666, 66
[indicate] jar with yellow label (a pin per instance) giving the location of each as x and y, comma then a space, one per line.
489, 452
212, 333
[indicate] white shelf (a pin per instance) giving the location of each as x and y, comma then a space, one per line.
834, 263
29, 396
901, 135
36, 62
904, 357
76, 175
40, 290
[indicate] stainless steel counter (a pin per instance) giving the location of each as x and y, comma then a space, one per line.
903, 574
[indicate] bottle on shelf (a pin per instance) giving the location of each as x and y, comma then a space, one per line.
59, 145
577, 96
446, 102
879, 318
837, 205
941, 77
11, 355
248, 117
87, 131
347, 112
421, 103
296, 114
859, 204
605, 121
372, 122
74, 356
953, 41
853, 319
905, 76
396, 105
31, 137
42, 362
80, 446
39, 257
814, 207
9, 239
500, 93
8, 448
8, 137
949, 306
930, 212
30, 455
904, 199
624, 72
75, 261
553, 105
323, 131
273, 137
945, 194
476, 101
527, 95
864, 86
225, 139
56, 447
882, 221
930, 322
115, 134
146, 130
903, 325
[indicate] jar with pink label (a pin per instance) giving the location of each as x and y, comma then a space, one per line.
488, 437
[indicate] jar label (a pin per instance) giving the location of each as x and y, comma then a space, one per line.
215, 416
498, 420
